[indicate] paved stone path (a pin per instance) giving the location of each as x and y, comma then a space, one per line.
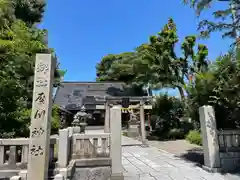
151, 164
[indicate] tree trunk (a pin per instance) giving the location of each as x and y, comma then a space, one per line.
181, 92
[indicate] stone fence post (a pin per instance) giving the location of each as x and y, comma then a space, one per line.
63, 148
209, 138
116, 143
106, 121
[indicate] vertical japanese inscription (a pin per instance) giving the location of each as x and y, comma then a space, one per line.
41, 82
36, 132
39, 114
42, 68
41, 98
40, 123
36, 150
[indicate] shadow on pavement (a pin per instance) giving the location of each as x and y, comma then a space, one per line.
194, 155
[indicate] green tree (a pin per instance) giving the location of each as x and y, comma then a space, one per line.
115, 68
155, 63
225, 20
219, 87
119, 68
19, 43
29, 11
158, 64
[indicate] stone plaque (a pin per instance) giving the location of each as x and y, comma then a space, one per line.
41, 118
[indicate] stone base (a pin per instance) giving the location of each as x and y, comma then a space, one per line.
117, 177
93, 162
76, 130
133, 132
211, 170
145, 144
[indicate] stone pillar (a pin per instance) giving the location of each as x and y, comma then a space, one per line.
115, 145
142, 123
2, 153
12, 155
107, 118
63, 148
25, 150
209, 137
38, 159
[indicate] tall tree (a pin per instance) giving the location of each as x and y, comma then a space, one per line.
116, 68
29, 11
155, 63
103, 68
226, 21
119, 68
20, 40
219, 87
162, 67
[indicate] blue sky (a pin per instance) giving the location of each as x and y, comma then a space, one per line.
82, 32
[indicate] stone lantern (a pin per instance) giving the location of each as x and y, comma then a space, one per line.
80, 119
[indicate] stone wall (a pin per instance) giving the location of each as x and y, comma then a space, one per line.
229, 149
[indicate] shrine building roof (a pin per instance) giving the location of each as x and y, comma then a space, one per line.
76, 94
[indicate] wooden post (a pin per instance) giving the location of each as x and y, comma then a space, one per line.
41, 118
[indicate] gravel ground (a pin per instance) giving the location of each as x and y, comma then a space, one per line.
182, 149
177, 147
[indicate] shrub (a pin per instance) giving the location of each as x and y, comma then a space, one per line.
24, 119
218, 87
153, 121
186, 126
55, 121
169, 111
147, 128
175, 134
194, 137
7, 135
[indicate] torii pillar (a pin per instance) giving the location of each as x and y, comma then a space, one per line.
142, 123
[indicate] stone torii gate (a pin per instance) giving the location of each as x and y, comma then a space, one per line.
117, 101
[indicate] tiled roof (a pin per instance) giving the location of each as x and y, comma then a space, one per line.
78, 93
